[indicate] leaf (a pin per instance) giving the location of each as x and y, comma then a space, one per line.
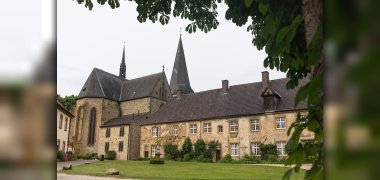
281, 34
301, 94
288, 174
248, 3
263, 8
293, 28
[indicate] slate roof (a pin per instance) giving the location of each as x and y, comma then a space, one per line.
125, 120
101, 84
244, 99
180, 77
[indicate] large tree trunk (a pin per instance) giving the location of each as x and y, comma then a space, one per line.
313, 14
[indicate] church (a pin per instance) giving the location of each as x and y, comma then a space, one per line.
136, 117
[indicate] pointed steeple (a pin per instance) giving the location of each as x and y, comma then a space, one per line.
122, 66
180, 77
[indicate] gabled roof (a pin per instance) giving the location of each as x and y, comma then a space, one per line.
244, 99
180, 77
125, 120
61, 107
101, 84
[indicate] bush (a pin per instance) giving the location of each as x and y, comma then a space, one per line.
86, 156
186, 157
72, 158
171, 152
199, 147
266, 150
272, 158
227, 158
156, 161
111, 155
200, 158
208, 153
60, 156
187, 146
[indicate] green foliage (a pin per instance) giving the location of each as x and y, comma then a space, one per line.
60, 155
187, 146
272, 158
227, 158
199, 147
201, 158
171, 152
186, 157
67, 101
110, 155
156, 161
266, 150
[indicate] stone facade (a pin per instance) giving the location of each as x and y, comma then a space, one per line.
114, 140
63, 128
135, 106
244, 136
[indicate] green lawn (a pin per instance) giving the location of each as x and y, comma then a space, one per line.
182, 170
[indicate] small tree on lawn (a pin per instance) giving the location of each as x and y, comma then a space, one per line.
199, 148
187, 146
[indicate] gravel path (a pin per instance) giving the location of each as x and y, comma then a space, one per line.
74, 163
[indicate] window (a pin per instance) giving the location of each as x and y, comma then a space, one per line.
234, 126
255, 148
234, 149
255, 125
91, 132
303, 119
154, 151
281, 148
155, 132
121, 145
280, 123
63, 146
193, 128
58, 144
60, 121
220, 129
107, 147
108, 132
121, 133
66, 120
175, 131
207, 127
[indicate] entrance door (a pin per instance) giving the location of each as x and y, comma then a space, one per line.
146, 154
217, 153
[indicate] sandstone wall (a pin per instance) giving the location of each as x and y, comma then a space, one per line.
114, 140
244, 137
134, 106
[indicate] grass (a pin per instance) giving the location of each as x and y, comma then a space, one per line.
182, 170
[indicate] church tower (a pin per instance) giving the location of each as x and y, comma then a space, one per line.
122, 66
180, 78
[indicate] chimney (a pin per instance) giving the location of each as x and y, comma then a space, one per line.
264, 79
179, 93
225, 86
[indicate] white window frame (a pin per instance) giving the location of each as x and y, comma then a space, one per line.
220, 126
255, 148
280, 123
234, 149
255, 125
155, 132
154, 150
281, 148
175, 131
193, 128
207, 128
234, 126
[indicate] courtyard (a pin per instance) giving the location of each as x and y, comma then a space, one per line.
182, 170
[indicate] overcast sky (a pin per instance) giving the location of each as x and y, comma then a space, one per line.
88, 39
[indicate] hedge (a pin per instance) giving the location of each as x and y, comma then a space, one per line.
156, 161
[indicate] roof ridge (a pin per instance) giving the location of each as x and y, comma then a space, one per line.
106, 72
143, 76
100, 84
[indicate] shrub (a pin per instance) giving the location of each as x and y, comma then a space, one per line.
208, 160
200, 158
171, 152
73, 158
272, 158
266, 150
86, 156
186, 157
156, 161
208, 153
227, 158
199, 147
60, 156
187, 146
111, 155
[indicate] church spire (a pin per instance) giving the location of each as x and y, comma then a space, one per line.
180, 77
122, 66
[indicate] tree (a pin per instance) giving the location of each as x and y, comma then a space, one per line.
68, 101
290, 32
199, 147
187, 146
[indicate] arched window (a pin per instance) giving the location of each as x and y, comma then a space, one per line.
79, 118
91, 130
